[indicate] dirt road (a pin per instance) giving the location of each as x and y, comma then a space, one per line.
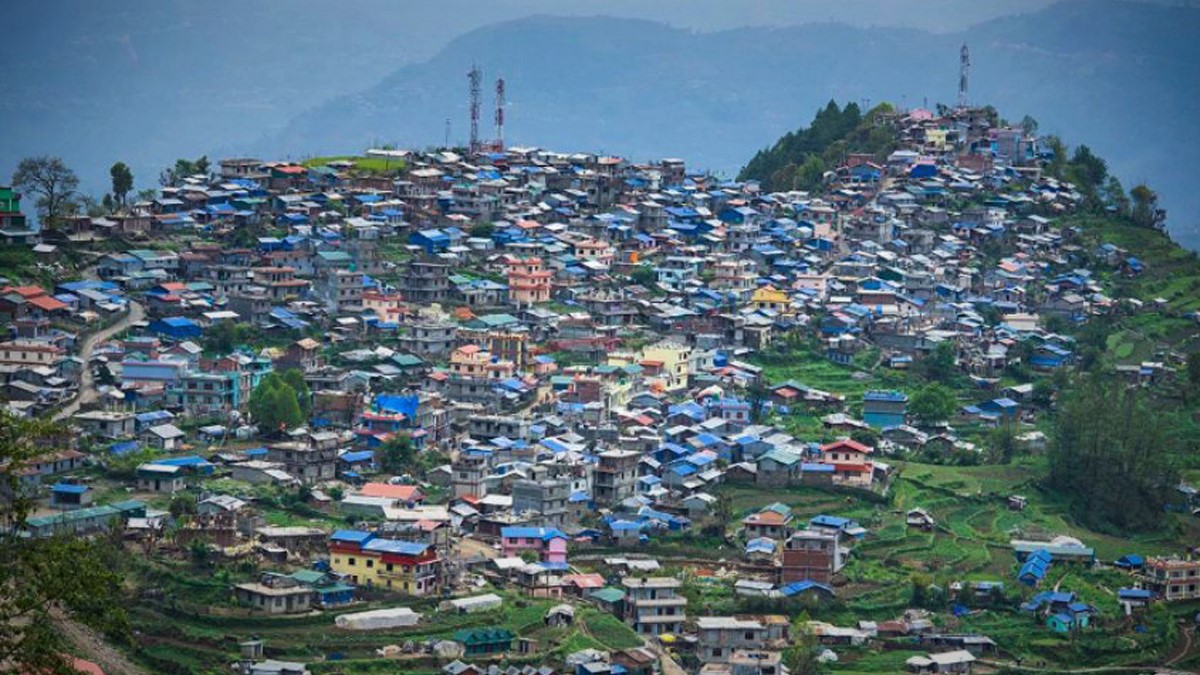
92, 647
87, 383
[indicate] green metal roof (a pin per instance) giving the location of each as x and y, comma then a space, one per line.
73, 516
478, 636
609, 595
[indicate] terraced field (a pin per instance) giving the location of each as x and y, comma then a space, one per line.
190, 639
971, 543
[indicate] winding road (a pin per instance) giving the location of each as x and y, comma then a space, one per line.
87, 381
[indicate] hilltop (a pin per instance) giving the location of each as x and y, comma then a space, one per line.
1084, 69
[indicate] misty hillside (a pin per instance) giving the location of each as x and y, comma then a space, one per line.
1119, 75
147, 81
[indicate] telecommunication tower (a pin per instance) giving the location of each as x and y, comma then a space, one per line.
964, 72
500, 114
475, 77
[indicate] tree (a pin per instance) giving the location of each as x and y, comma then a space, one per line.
802, 657
1002, 444
483, 230
1029, 125
183, 168
939, 364
183, 505
52, 181
122, 182
866, 436
757, 393
644, 275
398, 454
1193, 369
1043, 393
1115, 197
274, 405
919, 588
1146, 212
1113, 456
199, 551
1058, 156
1088, 168
92, 208
295, 379
719, 518
221, 337
62, 575
932, 403
810, 175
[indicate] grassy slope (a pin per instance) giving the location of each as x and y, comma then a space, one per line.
364, 164
196, 640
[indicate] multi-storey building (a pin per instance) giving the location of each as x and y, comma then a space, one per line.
342, 290
30, 353
813, 555
1172, 579
468, 474
210, 393
428, 337
388, 307
280, 283
309, 461
424, 282
610, 308
615, 476
719, 636
652, 605
414, 568
544, 501
528, 281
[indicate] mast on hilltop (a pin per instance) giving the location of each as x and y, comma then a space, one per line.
964, 72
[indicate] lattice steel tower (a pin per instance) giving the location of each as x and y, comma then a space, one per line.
964, 72
475, 77
500, 115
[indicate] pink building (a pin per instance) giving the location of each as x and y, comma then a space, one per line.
548, 543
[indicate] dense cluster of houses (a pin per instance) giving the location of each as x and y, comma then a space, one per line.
573, 333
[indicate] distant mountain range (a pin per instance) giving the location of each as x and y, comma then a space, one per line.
147, 81
1118, 76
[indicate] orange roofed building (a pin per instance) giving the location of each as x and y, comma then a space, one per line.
851, 462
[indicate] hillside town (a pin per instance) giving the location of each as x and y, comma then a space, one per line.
509, 410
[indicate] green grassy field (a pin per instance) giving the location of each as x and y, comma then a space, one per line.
363, 164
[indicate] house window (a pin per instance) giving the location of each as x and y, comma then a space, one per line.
350, 561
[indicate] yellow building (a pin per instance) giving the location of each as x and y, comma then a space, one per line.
670, 361
771, 299
935, 139
411, 567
